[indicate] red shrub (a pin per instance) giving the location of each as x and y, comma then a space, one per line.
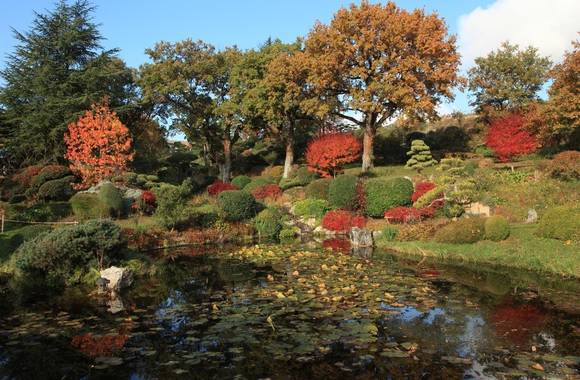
146, 203
55, 169
328, 153
420, 189
219, 186
25, 176
267, 191
507, 137
409, 214
94, 346
341, 220
337, 245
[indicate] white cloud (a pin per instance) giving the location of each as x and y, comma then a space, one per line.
549, 25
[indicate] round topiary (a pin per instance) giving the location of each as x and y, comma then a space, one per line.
318, 189
57, 189
241, 181
463, 231
258, 182
267, 223
111, 200
342, 192
236, 205
315, 208
497, 228
383, 194
562, 223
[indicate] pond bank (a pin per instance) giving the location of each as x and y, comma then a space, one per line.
522, 250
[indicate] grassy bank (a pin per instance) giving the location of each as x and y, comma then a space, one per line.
522, 250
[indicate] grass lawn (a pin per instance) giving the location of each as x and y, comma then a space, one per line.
145, 222
522, 250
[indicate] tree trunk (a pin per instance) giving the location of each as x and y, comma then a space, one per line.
289, 161
226, 166
368, 138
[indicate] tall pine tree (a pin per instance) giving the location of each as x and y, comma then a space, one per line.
58, 68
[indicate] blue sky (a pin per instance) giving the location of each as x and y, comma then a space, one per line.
133, 26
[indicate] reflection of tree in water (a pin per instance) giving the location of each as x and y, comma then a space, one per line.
517, 322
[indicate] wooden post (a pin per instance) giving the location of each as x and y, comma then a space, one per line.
2, 230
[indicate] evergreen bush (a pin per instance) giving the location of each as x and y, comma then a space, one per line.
497, 228
236, 205
342, 192
562, 223
420, 156
462, 231
382, 194
268, 223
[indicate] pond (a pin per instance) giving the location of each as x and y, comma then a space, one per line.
297, 313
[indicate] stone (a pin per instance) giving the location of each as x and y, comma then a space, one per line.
478, 209
102, 285
118, 278
360, 237
532, 216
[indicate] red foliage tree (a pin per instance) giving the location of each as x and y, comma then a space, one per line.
342, 220
272, 191
98, 145
328, 153
420, 189
508, 137
219, 186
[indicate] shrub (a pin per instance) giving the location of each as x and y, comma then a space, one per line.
145, 203
562, 223
219, 186
267, 222
497, 228
48, 173
170, 205
342, 220
241, 181
318, 189
236, 205
204, 216
57, 189
342, 192
421, 188
289, 233
86, 206
403, 214
383, 194
258, 182
453, 210
507, 138
70, 250
25, 176
565, 166
111, 200
328, 153
419, 156
275, 171
315, 208
271, 191
463, 231
300, 177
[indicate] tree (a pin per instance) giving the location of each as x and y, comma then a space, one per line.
374, 62
190, 84
58, 69
507, 137
558, 120
420, 156
328, 153
98, 145
507, 79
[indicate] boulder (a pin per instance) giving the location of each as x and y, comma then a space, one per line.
532, 216
478, 209
118, 278
360, 237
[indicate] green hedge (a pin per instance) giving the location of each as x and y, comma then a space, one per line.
241, 181
86, 206
258, 182
268, 222
315, 208
236, 205
111, 200
562, 223
318, 189
342, 192
497, 228
384, 194
463, 231
57, 189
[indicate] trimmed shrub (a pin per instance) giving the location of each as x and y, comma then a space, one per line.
342, 221
66, 252
25, 176
318, 189
145, 203
403, 215
419, 156
267, 222
203, 216
384, 194
86, 206
241, 181
463, 231
219, 186
497, 228
562, 223
273, 171
171, 200
236, 205
47, 173
300, 177
258, 182
565, 166
421, 188
12, 240
111, 200
342, 192
315, 208
57, 189
271, 191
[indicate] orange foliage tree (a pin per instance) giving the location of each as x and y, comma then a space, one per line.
98, 145
328, 153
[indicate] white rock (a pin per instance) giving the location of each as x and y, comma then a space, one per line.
119, 278
360, 237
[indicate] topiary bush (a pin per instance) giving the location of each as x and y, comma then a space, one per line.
271, 191
565, 166
86, 206
267, 222
219, 186
57, 189
241, 181
65, 254
497, 228
342, 192
463, 231
562, 223
312, 208
236, 205
383, 194
318, 189
420, 156
47, 173
111, 200
300, 177
258, 182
